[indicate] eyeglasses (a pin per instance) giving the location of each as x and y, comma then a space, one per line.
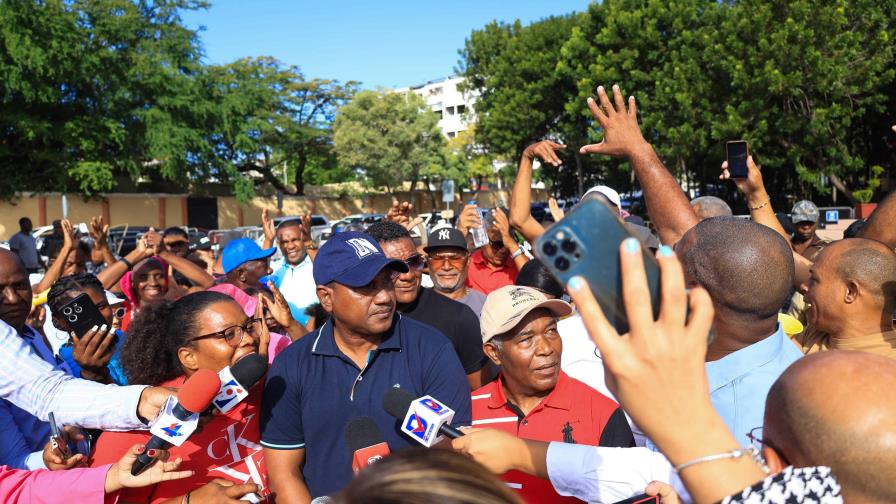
439, 260
415, 262
497, 245
756, 444
120, 312
233, 335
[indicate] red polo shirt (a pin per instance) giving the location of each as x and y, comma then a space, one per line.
573, 413
483, 277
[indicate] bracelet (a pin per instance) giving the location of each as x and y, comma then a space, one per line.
761, 206
129, 264
733, 454
516, 254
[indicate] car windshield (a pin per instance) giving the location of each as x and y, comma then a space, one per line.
318, 221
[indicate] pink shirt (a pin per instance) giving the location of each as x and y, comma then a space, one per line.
49, 487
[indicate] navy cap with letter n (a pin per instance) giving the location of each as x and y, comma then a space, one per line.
353, 259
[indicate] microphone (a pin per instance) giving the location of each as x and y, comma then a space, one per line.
236, 381
425, 420
365, 442
179, 416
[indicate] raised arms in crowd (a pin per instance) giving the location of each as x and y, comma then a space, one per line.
521, 198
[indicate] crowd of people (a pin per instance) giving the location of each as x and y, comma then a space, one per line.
768, 375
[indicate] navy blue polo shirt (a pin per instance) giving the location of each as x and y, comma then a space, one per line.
313, 391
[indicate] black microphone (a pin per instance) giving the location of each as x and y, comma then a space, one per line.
398, 403
196, 394
365, 442
236, 381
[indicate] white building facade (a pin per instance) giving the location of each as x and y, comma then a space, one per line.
455, 108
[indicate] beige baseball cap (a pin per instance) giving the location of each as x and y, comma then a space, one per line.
505, 307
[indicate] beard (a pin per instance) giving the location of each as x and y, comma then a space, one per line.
442, 287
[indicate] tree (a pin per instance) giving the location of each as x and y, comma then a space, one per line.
388, 138
93, 90
268, 120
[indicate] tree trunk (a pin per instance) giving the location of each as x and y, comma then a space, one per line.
580, 179
300, 173
432, 195
842, 188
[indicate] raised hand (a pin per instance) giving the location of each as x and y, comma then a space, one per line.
267, 224
279, 308
556, 212
262, 334
99, 231
152, 241
545, 150
68, 235
656, 370
306, 227
622, 135
750, 186
468, 218
503, 225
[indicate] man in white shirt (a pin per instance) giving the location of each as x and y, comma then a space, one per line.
295, 277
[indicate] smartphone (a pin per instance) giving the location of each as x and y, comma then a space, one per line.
641, 499
737, 158
82, 315
56, 440
586, 243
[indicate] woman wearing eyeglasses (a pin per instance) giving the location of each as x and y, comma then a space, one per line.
167, 343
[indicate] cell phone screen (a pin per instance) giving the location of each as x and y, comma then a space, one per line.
640, 499
737, 159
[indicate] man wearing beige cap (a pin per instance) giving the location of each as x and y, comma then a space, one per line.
532, 398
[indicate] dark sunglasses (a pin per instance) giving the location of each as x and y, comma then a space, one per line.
415, 262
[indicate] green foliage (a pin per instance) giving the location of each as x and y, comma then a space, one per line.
802, 82
388, 138
864, 195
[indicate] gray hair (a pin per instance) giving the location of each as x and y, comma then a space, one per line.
710, 206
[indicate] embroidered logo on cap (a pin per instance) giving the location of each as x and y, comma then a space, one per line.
363, 248
444, 234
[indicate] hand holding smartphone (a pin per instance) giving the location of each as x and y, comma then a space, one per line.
56, 439
737, 152
586, 243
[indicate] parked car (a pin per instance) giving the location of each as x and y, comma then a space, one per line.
319, 224
364, 219
123, 239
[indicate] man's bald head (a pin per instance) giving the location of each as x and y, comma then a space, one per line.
852, 281
838, 409
710, 206
746, 267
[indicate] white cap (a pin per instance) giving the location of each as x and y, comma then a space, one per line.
607, 192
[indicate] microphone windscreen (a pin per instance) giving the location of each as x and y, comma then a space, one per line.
362, 432
397, 402
248, 370
199, 390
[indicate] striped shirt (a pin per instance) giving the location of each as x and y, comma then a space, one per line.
33, 385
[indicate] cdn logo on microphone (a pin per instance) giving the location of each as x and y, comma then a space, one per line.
424, 419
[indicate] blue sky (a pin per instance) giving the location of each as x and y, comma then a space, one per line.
380, 43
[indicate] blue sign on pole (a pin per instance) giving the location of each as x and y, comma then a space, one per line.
832, 216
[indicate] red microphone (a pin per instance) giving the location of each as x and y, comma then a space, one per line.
365, 442
175, 427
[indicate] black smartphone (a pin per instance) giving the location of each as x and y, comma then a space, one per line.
641, 499
586, 243
737, 158
81, 315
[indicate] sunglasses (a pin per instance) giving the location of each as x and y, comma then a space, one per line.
415, 262
120, 312
496, 245
439, 260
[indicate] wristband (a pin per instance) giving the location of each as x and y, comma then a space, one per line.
761, 206
733, 454
516, 254
127, 263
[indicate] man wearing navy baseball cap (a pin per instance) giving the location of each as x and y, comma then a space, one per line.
342, 370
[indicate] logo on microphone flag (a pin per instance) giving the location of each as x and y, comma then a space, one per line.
231, 392
173, 430
417, 426
432, 404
